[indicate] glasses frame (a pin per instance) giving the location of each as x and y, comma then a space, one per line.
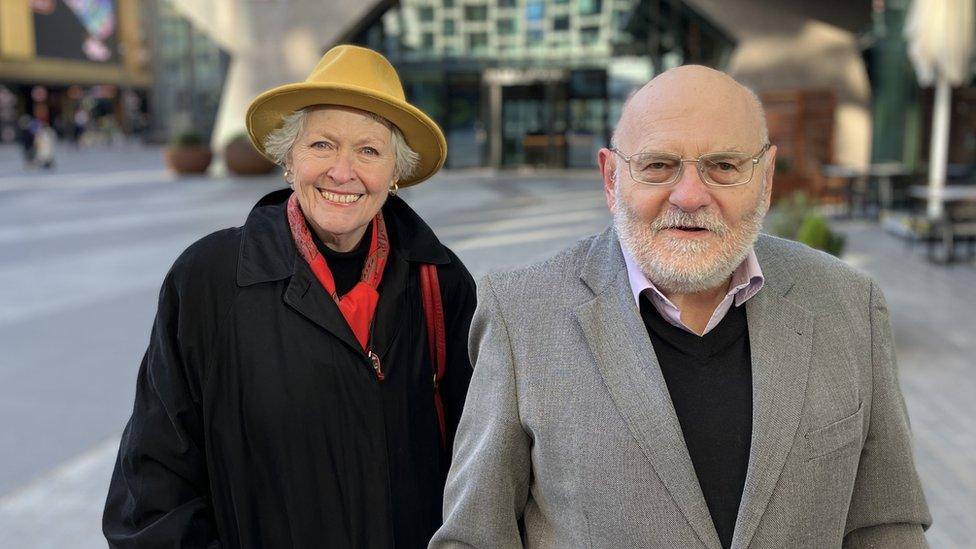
698, 167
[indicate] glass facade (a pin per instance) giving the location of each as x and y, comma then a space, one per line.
189, 71
534, 82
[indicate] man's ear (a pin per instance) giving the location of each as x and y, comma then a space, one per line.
608, 165
770, 171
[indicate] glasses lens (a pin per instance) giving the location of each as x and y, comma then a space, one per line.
654, 168
727, 169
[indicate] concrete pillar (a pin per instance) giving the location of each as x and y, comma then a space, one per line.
270, 42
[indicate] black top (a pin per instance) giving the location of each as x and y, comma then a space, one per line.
258, 420
710, 381
346, 267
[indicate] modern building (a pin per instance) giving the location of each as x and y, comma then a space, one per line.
533, 82
540, 82
189, 71
512, 82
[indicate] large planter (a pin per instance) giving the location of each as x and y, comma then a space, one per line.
242, 158
188, 159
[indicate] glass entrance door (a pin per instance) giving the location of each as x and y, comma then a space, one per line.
533, 127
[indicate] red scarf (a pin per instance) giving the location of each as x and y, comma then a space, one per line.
358, 306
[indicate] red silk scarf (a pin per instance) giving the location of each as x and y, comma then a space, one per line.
358, 306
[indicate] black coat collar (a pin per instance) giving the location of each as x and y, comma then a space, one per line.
268, 252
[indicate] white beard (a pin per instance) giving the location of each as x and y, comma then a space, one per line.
687, 266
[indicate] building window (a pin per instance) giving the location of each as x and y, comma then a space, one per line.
589, 35
448, 3
426, 13
506, 26
535, 36
448, 27
428, 40
478, 41
506, 3
620, 20
535, 11
476, 13
590, 7
560, 23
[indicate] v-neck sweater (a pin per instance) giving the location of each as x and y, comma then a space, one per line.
709, 379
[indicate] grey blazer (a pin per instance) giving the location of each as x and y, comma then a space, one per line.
569, 426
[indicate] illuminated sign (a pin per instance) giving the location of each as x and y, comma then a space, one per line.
76, 29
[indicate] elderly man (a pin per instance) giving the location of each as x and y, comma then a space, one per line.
678, 380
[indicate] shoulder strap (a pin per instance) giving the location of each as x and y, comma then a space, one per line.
430, 291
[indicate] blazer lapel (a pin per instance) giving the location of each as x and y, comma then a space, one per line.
625, 357
780, 340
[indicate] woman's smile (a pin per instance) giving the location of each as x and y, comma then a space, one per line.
342, 199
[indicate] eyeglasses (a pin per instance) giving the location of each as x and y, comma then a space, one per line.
720, 169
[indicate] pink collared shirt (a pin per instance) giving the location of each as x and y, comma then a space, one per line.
747, 280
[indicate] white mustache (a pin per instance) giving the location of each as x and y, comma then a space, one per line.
673, 218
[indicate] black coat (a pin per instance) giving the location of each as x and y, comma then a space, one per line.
258, 420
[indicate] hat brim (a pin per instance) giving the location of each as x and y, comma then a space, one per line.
421, 133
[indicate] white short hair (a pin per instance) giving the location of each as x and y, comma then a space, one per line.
278, 143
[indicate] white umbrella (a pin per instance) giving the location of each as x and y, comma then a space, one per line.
940, 37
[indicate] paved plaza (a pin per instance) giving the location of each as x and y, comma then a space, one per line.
83, 249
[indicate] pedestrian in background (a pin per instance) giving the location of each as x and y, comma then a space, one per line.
25, 138
45, 146
680, 380
80, 123
306, 371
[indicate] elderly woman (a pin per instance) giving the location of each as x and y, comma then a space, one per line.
306, 371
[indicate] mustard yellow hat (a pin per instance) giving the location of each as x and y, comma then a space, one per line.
359, 78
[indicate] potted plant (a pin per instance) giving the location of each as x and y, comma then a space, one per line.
796, 217
817, 234
242, 158
187, 152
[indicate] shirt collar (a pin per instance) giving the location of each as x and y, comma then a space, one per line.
747, 279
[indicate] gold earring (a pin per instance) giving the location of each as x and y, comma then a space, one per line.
394, 188
288, 178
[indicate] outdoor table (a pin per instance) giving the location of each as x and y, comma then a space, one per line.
859, 183
855, 185
949, 193
884, 172
948, 227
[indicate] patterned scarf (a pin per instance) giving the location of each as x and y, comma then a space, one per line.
358, 306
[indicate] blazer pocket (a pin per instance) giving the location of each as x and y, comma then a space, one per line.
839, 435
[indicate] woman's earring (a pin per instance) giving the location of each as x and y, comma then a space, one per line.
394, 188
289, 178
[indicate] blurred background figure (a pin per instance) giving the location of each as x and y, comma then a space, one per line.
25, 138
80, 120
45, 145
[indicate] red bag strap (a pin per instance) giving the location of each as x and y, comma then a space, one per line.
430, 291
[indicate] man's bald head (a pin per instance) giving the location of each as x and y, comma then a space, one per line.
698, 100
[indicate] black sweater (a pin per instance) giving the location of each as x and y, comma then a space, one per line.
346, 267
710, 381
